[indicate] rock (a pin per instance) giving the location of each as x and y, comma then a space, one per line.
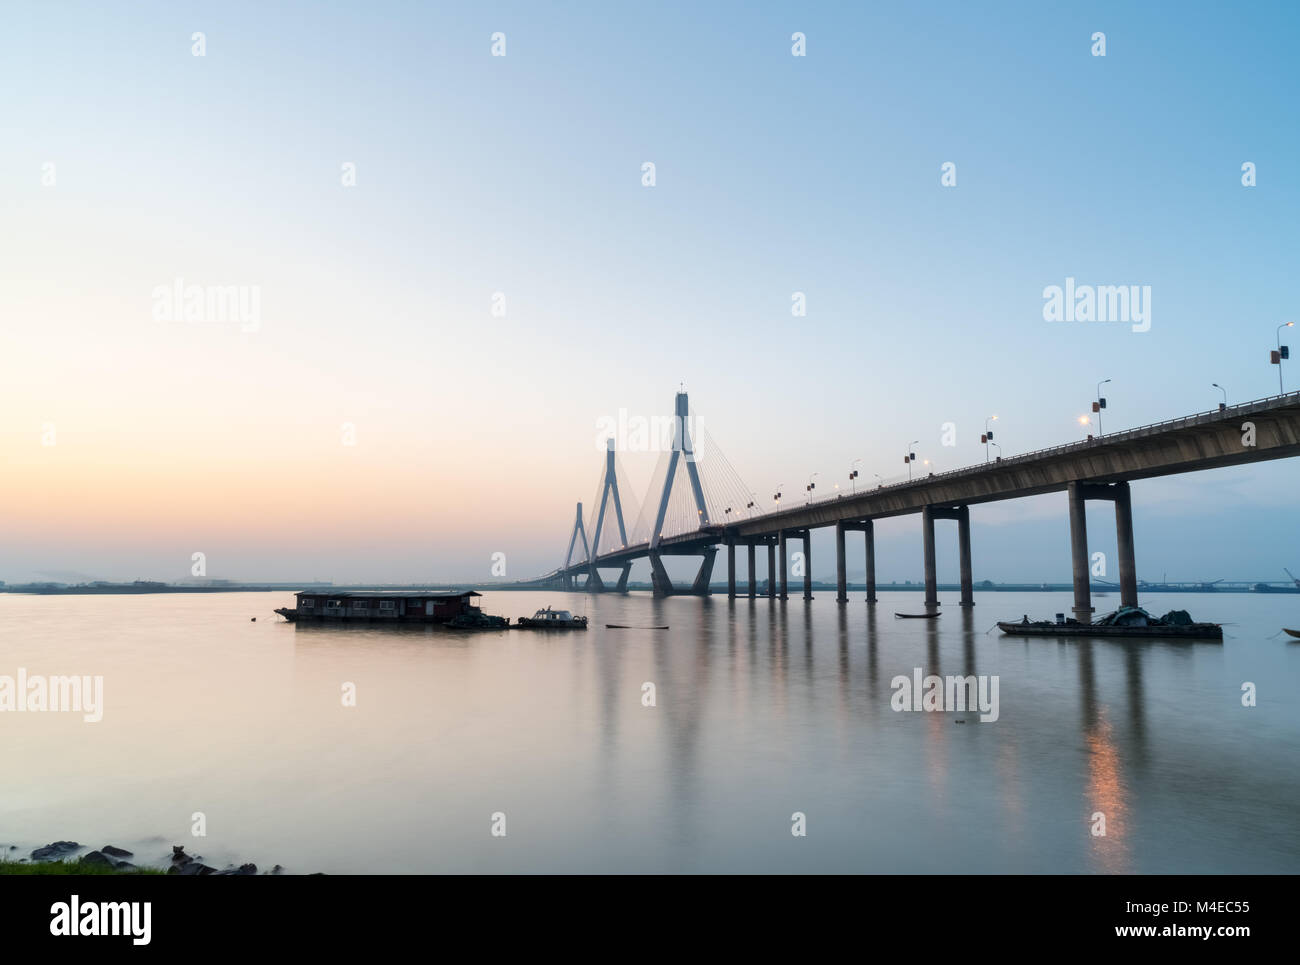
277, 870
124, 866
194, 868
113, 852
97, 859
55, 851
243, 869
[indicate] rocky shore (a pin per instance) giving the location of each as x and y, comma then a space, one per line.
113, 860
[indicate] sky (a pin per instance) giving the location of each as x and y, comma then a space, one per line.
452, 269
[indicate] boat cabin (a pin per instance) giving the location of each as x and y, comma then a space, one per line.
402, 606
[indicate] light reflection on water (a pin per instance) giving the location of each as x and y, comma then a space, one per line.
762, 710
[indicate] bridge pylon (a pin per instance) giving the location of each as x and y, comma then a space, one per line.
683, 449
579, 530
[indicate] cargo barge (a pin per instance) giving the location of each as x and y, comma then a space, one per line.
385, 606
1132, 622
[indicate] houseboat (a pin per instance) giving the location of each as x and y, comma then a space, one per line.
381, 606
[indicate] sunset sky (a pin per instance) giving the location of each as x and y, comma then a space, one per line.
131, 442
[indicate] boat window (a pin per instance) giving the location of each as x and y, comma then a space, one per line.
307, 603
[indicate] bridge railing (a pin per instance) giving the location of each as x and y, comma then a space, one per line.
1210, 415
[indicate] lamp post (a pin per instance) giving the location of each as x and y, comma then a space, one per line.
753, 497
910, 457
853, 474
1283, 352
999, 449
881, 483
988, 435
1086, 422
1099, 405
810, 487
776, 498
1224, 404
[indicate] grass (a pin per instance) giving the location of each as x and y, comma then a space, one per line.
8, 867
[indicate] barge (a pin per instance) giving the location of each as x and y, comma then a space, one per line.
385, 606
1131, 622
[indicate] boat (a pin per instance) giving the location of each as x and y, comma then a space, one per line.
916, 616
1127, 621
476, 619
1291, 633
549, 619
387, 607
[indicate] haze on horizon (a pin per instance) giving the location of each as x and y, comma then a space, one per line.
131, 441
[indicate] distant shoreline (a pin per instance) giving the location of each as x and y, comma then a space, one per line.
742, 591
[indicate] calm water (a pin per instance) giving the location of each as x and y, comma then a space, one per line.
762, 710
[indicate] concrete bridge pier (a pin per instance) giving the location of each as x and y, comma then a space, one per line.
869, 531
622, 578
731, 571
841, 577
753, 578
962, 515
771, 571
927, 538
782, 554
963, 552
1121, 496
807, 564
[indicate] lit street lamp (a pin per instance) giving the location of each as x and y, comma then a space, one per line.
1099, 405
811, 486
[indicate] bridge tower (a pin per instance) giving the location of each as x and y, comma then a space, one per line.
683, 448
608, 487
578, 530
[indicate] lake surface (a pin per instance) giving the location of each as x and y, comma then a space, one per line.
761, 710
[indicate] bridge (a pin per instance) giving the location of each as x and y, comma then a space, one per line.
697, 503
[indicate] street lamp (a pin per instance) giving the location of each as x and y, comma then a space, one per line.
1283, 352
777, 497
999, 449
811, 486
1099, 405
988, 435
1224, 404
853, 474
881, 484
1086, 421
752, 498
910, 457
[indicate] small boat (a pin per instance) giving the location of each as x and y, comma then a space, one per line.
288, 613
549, 619
1291, 633
1127, 621
917, 616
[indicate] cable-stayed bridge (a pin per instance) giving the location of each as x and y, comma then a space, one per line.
697, 503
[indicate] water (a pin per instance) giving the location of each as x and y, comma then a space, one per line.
761, 711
